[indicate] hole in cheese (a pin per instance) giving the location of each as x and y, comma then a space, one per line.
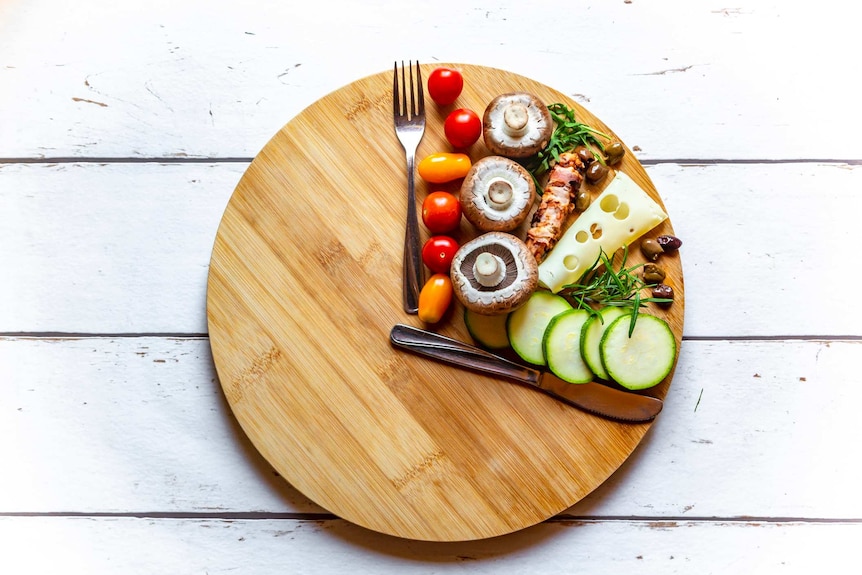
571, 262
622, 211
596, 231
609, 203
582, 236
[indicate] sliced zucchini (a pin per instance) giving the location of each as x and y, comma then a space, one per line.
562, 346
526, 325
591, 337
642, 360
489, 331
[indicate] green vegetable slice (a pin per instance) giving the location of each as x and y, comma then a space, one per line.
562, 346
591, 338
526, 325
489, 331
642, 359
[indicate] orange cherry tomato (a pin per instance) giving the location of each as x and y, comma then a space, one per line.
444, 167
435, 297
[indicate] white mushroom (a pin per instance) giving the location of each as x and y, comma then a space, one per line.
517, 125
497, 194
494, 273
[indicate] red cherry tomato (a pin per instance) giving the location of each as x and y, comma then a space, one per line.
437, 253
462, 127
441, 212
445, 85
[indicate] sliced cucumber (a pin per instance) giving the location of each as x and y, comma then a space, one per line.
562, 346
526, 325
642, 360
489, 331
591, 337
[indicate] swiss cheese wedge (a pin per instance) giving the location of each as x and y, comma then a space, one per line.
622, 213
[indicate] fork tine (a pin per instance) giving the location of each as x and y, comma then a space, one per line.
396, 108
401, 106
421, 109
404, 109
412, 92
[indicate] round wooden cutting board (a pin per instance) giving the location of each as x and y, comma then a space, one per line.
304, 287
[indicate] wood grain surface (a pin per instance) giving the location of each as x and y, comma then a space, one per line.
304, 286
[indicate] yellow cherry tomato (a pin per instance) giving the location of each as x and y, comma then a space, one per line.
444, 167
435, 297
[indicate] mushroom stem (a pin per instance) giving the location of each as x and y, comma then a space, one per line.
488, 269
515, 119
500, 194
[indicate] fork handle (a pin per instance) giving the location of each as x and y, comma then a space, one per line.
412, 276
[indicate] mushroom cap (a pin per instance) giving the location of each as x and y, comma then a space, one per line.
520, 281
517, 125
497, 194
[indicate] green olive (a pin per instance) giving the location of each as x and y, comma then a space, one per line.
582, 201
653, 274
596, 172
651, 249
614, 152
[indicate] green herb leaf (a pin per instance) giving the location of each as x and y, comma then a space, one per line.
636, 304
568, 134
604, 285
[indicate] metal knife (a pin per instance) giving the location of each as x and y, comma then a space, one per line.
592, 397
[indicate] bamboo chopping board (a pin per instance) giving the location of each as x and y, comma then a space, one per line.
304, 287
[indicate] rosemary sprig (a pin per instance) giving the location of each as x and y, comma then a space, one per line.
602, 285
568, 134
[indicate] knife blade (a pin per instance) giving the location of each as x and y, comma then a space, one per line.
591, 397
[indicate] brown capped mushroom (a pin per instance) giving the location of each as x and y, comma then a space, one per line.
517, 125
494, 273
497, 194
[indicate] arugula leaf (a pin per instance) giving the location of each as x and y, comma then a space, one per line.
568, 135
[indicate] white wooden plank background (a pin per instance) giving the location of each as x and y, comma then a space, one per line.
755, 79
123, 130
266, 547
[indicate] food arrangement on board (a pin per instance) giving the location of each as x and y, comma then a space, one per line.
546, 276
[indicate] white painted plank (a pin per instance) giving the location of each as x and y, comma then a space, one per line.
144, 546
125, 248
136, 425
759, 79
767, 247
109, 248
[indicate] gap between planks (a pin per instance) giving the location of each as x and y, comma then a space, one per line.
193, 336
242, 160
666, 520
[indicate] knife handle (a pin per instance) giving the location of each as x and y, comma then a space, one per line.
458, 353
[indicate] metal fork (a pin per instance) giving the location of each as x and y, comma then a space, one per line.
410, 127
